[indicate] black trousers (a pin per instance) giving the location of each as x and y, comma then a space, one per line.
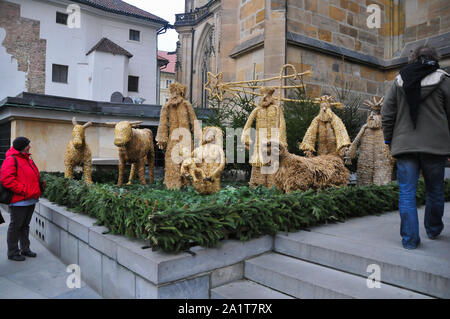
19, 229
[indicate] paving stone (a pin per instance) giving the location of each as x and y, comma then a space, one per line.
11, 290
360, 242
303, 279
245, 289
196, 288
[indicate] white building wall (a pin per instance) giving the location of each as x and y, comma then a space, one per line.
12, 81
68, 46
109, 73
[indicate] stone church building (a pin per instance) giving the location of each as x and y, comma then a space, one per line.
338, 40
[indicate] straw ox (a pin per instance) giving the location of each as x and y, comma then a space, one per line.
135, 147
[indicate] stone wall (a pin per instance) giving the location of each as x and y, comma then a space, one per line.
251, 18
426, 18
331, 73
23, 42
329, 37
341, 22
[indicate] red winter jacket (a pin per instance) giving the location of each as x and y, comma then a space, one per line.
25, 182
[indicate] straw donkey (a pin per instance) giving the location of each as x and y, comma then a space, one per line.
78, 153
135, 147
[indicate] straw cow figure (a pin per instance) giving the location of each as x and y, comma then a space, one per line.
328, 130
375, 162
78, 153
176, 124
268, 116
302, 173
135, 147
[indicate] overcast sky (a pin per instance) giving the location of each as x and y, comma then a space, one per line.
165, 9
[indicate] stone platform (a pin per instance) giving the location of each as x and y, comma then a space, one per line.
330, 261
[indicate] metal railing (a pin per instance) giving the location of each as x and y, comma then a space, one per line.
190, 18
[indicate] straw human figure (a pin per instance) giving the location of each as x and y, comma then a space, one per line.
78, 152
270, 124
189, 168
210, 161
176, 124
328, 130
375, 162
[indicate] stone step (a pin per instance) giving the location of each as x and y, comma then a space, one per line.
303, 279
245, 289
422, 271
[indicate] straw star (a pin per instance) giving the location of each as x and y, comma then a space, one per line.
214, 85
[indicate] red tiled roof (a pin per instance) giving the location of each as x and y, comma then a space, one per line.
106, 45
121, 7
170, 68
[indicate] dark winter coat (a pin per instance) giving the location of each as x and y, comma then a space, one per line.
25, 181
432, 134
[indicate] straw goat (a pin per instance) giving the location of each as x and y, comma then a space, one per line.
78, 153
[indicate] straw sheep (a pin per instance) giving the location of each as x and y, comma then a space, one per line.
135, 147
302, 173
78, 153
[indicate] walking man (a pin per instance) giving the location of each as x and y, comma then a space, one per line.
416, 126
21, 175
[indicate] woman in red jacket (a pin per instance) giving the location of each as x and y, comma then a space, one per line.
24, 182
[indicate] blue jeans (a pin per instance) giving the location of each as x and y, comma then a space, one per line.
433, 170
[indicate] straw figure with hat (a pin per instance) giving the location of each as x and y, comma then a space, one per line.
269, 122
375, 161
328, 130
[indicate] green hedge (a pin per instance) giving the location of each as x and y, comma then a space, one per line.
176, 220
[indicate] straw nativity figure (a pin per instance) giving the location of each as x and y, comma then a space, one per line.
208, 162
176, 124
375, 162
270, 124
302, 173
136, 147
328, 130
78, 152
